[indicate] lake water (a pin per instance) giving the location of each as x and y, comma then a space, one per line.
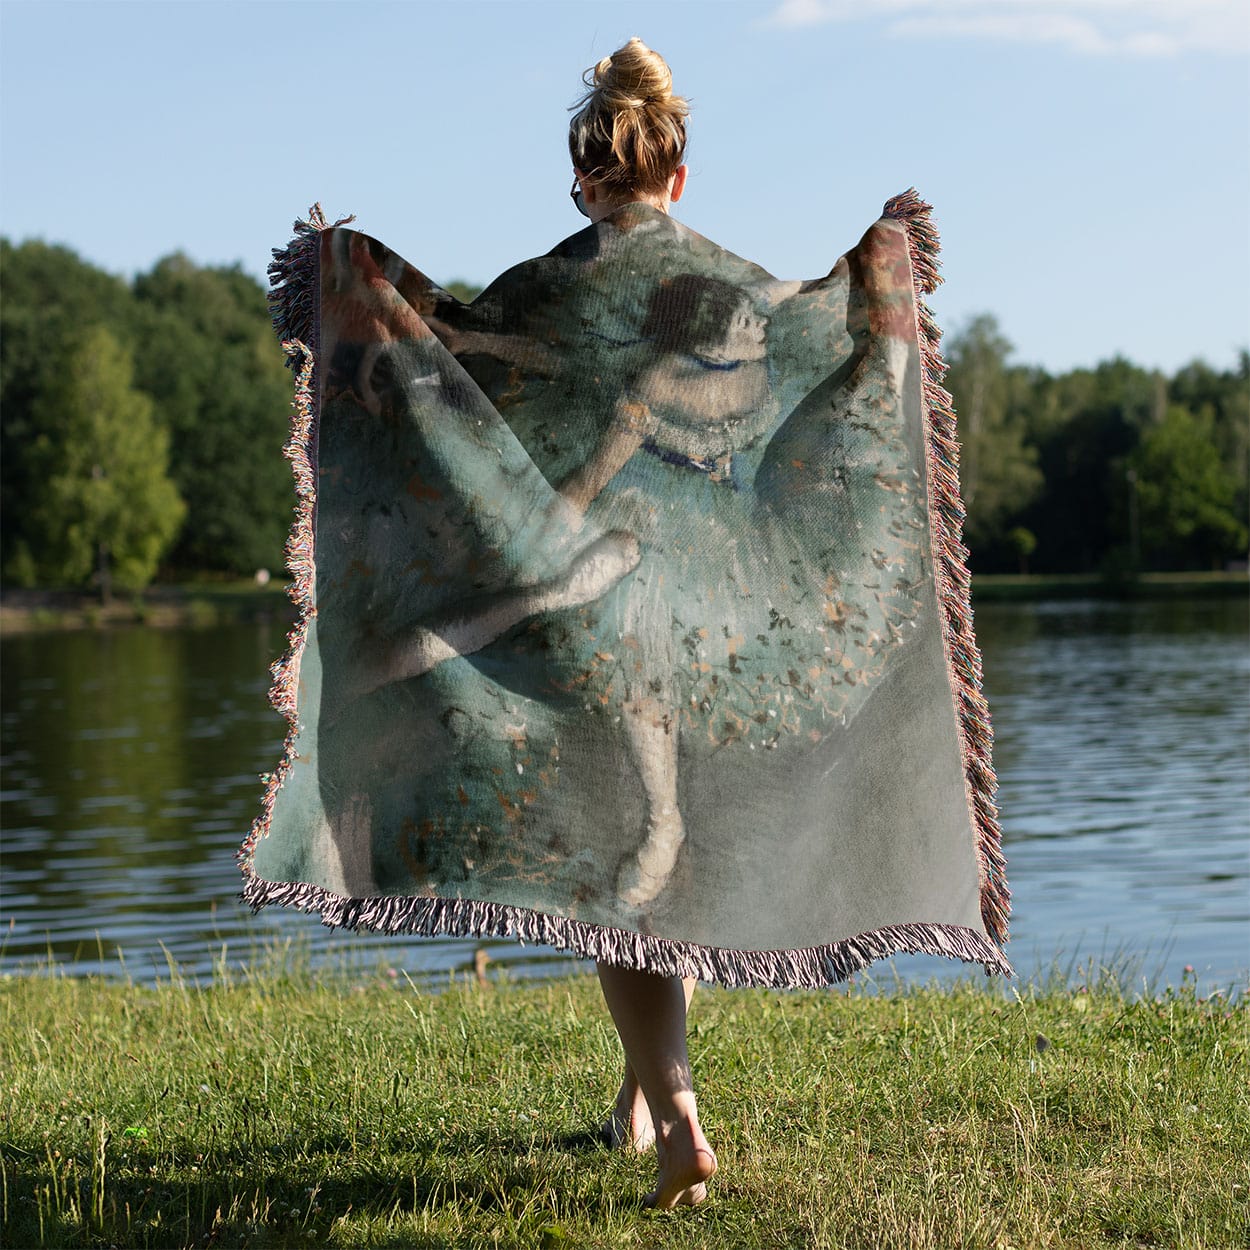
130, 762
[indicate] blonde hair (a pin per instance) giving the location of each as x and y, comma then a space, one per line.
629, 132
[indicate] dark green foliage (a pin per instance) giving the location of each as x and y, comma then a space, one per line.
1224, 400
204, 355
1185, 491
105, 505
206, 350
1097, 466
51, 299
998, 467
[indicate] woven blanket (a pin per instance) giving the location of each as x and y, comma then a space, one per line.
634, 618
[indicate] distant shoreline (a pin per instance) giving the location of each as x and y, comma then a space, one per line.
177, 605
204, 604
998, 587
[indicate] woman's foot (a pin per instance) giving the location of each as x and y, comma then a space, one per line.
629, 1126
649, 1012
686, 1165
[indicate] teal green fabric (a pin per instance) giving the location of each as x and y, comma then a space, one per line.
623, 615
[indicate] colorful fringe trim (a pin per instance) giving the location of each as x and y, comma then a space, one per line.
810, 968
295, 289
294, 302
954, 584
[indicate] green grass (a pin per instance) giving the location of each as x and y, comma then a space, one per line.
283, 1108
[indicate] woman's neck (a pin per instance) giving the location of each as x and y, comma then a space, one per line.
602, 208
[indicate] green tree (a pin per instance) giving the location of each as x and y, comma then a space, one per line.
1024, 543
1085, 424
997, 467
106, 506
51, 297
1185, 494
1222, 397
465, 292
208, 357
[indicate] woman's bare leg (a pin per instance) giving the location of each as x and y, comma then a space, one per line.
629, 1125
650, 1015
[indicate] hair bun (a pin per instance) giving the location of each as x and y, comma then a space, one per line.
629, 131
633, 77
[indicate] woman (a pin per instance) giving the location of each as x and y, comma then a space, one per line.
628, 141
634, 618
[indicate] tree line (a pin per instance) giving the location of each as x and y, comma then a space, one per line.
142, 423
1113, 470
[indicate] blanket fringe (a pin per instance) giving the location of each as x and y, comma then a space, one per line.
294, 302
808, 968
954, 584
294, 296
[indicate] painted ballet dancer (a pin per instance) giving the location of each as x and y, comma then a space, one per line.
371, 317
704, 396
592, 572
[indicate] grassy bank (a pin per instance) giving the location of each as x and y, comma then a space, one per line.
996, 587
191, 603
286, 1110
216, 603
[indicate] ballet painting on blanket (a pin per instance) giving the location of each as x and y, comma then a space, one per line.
633, 612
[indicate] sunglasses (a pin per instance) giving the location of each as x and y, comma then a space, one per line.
576, 196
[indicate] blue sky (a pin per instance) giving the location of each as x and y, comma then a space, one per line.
1089, 160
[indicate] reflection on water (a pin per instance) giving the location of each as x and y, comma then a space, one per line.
131, 762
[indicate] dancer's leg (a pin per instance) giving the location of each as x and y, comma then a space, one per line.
629, 1125
592, 572
650, 1015
652, 736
